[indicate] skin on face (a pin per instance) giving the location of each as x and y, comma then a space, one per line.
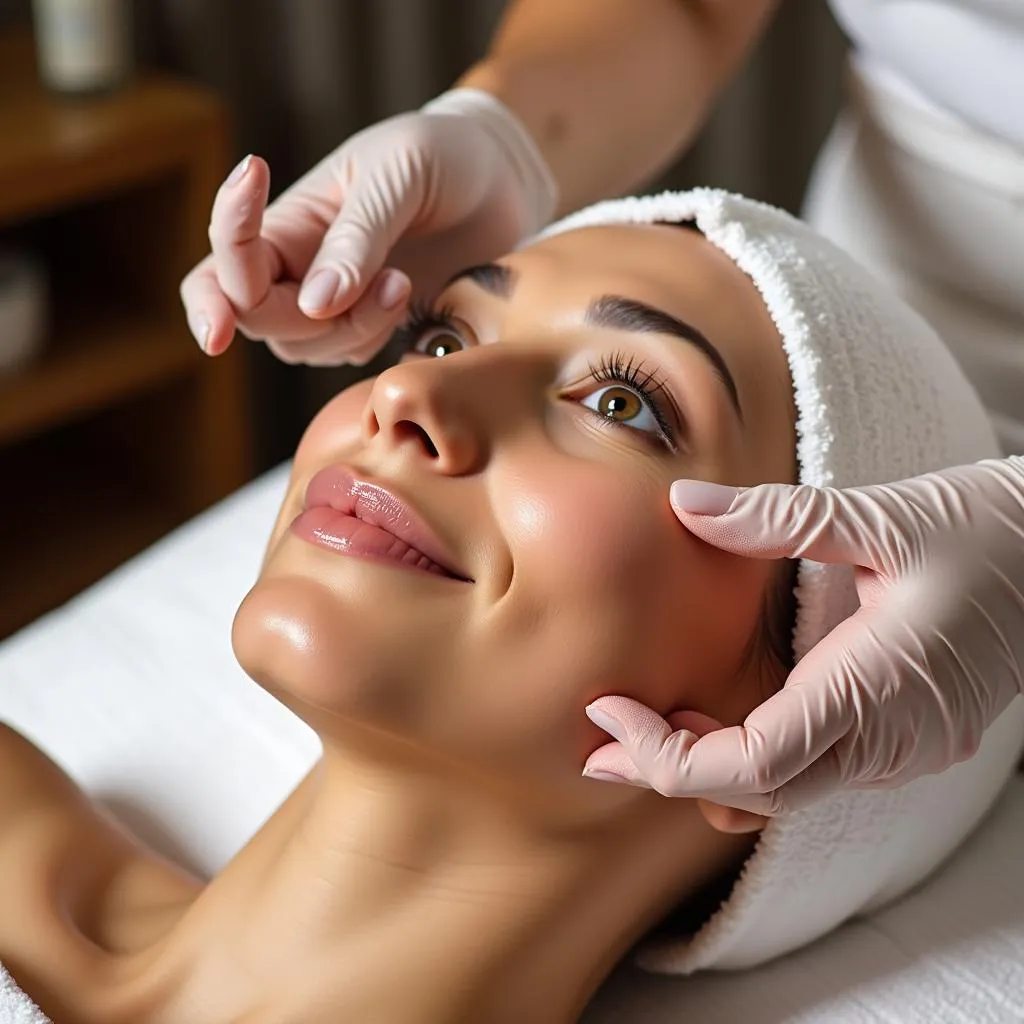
583, 582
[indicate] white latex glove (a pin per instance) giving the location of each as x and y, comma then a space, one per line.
325, 277
904, 687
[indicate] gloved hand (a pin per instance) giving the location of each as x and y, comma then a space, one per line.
904, 687
427, 193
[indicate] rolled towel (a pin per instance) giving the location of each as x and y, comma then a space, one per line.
15, 1006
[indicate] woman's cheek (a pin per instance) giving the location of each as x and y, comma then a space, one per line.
336, 427
583, 523
667, 617
334, 430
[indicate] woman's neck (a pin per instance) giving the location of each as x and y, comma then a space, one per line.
404, 896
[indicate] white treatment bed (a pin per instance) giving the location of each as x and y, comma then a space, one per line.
133, 689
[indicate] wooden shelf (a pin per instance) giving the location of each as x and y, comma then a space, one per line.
110, 142
65, 530
93, 360
122, 429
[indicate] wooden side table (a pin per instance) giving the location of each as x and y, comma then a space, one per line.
122, 429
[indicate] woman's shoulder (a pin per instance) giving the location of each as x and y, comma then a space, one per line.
45, 817
32, 786
70, 880
41, 809
46, 824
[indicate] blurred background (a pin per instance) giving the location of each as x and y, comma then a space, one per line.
113, 429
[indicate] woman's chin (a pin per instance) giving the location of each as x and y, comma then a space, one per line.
292, 636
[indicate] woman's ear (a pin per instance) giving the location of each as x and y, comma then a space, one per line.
731, 819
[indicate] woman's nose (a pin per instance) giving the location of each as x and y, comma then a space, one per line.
452, 410
428, 407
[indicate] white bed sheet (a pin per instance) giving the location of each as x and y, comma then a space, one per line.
132, 687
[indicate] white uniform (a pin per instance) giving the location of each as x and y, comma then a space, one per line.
922, 178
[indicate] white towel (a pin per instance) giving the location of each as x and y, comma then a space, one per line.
950, 953
15, 1006
878, 398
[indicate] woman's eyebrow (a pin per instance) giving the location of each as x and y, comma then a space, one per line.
497, 280
616, 313
621, 314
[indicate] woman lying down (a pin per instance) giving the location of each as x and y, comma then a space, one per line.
475, 545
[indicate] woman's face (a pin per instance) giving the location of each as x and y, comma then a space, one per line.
532, 432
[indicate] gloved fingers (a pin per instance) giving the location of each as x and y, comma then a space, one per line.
823, 777
889, 528
652, 748
865, 527
779, 739
371, 321
648, 745
278, 318
720, 817
612, 763
248, 281
731, 819
820, 779
310, 351
353, 337
696, 721
246, 263
374, 214
612, 758
255, 252
211, 318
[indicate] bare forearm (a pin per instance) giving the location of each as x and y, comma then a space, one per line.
612, 90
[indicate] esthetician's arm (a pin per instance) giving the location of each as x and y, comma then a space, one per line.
612, 90
904, 687
576, 100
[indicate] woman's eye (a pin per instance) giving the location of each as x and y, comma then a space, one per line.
437, 342
622, 405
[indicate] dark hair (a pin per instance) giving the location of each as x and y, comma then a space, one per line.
773, 637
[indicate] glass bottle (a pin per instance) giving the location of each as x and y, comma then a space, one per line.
83, 46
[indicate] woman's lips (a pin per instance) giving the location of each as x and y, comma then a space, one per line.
356, 517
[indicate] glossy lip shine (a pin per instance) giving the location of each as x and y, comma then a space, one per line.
354, 517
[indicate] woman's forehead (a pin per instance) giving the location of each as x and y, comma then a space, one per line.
672, 268
681, 265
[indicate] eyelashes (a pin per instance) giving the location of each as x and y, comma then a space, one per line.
625, 369
423, 317
619, 368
